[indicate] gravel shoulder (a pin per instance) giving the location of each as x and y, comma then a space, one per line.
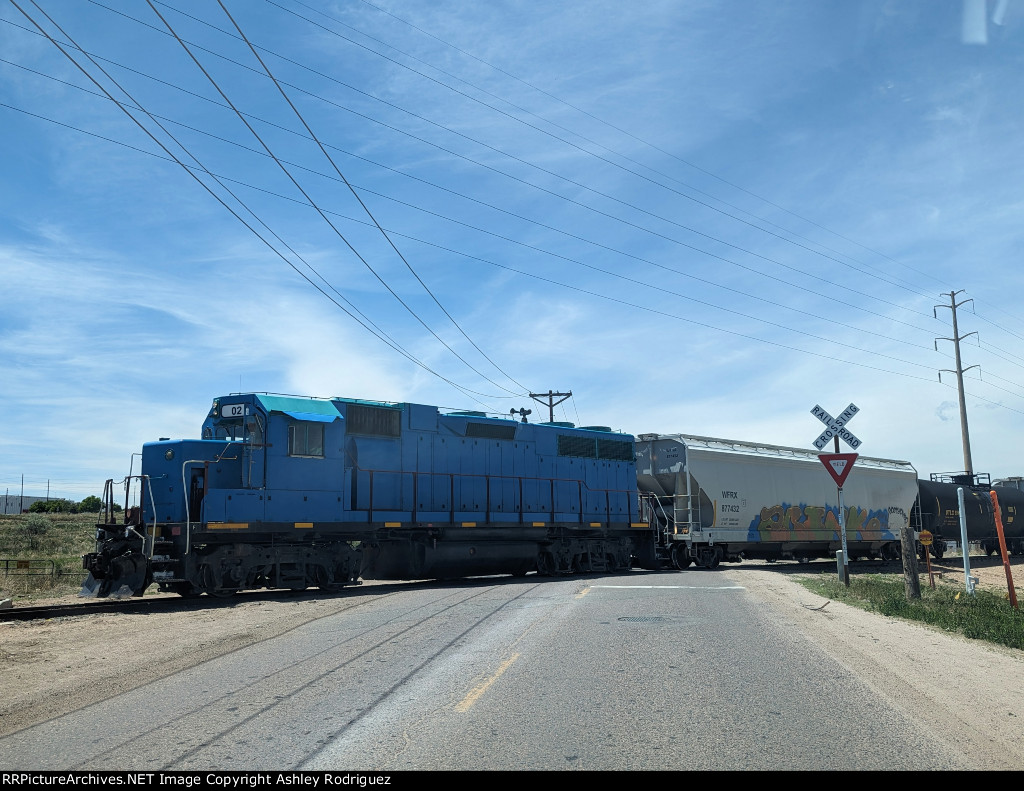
56, 666
966, 693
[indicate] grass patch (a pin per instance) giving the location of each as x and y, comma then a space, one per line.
60, 537
984, 616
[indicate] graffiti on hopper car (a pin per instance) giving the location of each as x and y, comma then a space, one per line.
804, 522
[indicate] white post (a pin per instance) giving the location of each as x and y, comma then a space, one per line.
844, 572
968, 579
842, 527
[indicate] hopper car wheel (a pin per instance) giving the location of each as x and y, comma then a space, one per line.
989, 550
680, 559
708, 559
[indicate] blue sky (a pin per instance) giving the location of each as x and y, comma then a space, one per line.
699, 217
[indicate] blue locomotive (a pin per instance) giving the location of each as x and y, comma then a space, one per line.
289, 492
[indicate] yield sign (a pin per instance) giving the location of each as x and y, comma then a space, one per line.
839, 465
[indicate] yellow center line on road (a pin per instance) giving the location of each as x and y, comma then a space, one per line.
583, 592
477, 692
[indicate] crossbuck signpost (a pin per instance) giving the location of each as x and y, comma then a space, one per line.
839, 465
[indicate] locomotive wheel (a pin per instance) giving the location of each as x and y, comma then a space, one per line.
207, 579
184, 589
208, 583
321, 577
545, 564
523, 569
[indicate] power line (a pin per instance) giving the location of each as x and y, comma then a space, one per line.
672, 269
578, 134
361, 202
639, 139
37, 6
540, 169
316, 206
205, 186
539, 224
634, 281
660, 289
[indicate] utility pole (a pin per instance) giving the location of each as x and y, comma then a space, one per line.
953, 305
551, 403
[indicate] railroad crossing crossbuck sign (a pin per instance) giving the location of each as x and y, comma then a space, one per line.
836, 426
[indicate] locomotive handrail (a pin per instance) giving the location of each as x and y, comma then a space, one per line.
693, 521
488, 479
653, 503
185, 492
108, 502
150, 541
148, 537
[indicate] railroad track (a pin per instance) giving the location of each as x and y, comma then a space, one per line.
88, 608
172, 603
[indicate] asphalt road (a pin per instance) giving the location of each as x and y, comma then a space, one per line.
643, 671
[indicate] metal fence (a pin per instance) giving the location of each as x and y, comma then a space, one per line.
13, 567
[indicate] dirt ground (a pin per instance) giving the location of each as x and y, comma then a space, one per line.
966, 693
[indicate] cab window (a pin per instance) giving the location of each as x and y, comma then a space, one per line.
306, 439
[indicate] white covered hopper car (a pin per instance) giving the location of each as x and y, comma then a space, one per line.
725, 500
